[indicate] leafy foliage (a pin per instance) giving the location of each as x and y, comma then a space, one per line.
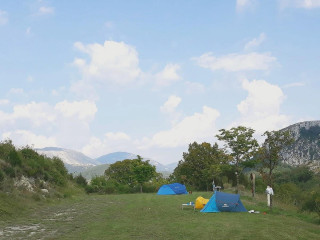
124, 176
269, 153
27, 162
200, 165
241, 145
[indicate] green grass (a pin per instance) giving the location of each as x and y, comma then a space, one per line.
149, 216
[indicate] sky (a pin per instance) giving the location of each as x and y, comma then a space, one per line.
151, 77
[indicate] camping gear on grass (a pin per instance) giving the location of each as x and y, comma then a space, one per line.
201, 202
172, 189
189, 204
224, 202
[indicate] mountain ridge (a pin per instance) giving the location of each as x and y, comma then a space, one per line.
306, 147
77, 162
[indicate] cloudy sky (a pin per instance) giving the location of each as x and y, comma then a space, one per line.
150, 77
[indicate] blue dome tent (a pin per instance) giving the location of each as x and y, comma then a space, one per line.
224, 202
172, 189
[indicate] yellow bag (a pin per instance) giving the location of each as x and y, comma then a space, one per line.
201, 202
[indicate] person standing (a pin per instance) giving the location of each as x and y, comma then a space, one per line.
213, 185
269, 192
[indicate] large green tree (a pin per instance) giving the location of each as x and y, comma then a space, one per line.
241, 145
143, 171
131, 172
122, 172
200, 165
269, 153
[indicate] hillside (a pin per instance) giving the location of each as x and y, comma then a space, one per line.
114, 157
94, 171
68, 156
306, 147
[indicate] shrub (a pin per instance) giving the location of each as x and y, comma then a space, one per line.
98, 184
287, 192
14, 158
10, 172
1, 175
80, 180
312, 204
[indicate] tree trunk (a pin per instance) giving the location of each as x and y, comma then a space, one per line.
140, 187
237, 187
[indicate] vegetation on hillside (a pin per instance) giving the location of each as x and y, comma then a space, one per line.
26, 174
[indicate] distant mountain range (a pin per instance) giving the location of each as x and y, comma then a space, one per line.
76, 162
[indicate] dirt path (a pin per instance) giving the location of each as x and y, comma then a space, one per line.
52, 222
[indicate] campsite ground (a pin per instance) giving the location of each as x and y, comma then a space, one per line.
149, 216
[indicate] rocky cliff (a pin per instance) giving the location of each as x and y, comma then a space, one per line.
306, 147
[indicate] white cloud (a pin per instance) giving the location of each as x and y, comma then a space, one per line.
83, 110
168, 75
255, 42
46, 10
170, 105
198, 127
261, 109
23, 137
244, 4
38, 114
112, 62
3, 17
65, 122
111, 142
4, 101
236, 62
307, 4
115, 136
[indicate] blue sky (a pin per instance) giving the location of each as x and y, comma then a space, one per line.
150, 77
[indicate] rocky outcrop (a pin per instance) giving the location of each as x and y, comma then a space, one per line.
306, 147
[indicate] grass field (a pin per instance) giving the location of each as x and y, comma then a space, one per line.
149, 216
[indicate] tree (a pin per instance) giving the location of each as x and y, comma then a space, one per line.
269, 153
200, 165
121, 172
241, 145
130, 172
143, 171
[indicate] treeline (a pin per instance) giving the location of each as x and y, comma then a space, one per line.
230, 166
241, 155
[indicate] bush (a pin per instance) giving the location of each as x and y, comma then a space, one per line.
10, 172
1, 175
149, 188
80, 180
58, 179
312, 204
98, 184
287, 192
14, 158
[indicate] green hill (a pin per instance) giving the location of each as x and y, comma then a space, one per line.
94, 171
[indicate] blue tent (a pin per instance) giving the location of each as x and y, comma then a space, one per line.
172, 189
224, 202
